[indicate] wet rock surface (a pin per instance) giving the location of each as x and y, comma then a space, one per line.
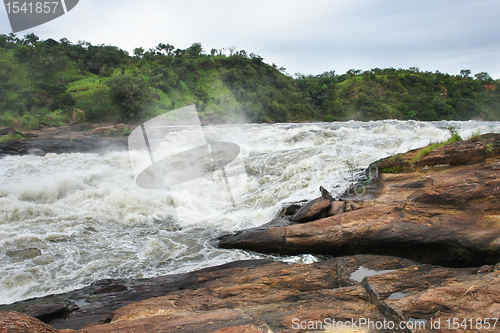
14, 322
66, 139
422, 252
458, 153
47, 312
313, 210
254, 295
266, 296
445, 216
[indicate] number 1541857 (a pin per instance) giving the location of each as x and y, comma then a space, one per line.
31, 7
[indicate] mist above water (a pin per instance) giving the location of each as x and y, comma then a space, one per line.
68, 220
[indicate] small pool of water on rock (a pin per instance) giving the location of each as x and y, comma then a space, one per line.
362, 272
80, 302
397, 295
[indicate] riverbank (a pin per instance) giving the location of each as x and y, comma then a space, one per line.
424, 248
77, 138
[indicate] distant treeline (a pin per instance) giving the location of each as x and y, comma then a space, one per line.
55, 82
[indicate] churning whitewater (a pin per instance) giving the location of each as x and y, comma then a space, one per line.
68, 220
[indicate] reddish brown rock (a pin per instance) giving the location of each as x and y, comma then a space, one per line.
263, 298
453, 221
336, 208
463, 152
277, 297
240, 329
454, 153
439, 295
353, 205
325, 194
14, 322
312, 210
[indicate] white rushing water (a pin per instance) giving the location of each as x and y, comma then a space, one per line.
68, 220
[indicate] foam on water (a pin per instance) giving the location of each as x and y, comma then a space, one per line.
90, 221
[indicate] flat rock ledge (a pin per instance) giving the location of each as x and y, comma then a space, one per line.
264, 296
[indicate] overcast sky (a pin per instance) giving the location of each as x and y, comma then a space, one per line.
309, 37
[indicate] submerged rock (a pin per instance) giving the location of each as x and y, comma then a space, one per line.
24, 254
36, 151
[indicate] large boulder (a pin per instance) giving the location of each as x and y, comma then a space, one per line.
458, 153
454, 153
452, 221
336, 208
312, 210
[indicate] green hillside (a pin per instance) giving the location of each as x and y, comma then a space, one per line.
58, 82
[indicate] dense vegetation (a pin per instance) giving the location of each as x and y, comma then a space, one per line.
55, 82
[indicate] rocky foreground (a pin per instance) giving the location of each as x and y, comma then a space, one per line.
421, 256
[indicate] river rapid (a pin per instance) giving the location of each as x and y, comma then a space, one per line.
70, 219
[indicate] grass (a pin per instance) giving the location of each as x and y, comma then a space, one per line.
394, 169
54, 119
11, 138
26, 122
426, 150
475, 136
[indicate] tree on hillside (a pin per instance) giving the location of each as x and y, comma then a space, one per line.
165, 47
12, 38
465, 73
100, 58
130, 94
195, 50
138, 52
483, 76
30, 39
51, 42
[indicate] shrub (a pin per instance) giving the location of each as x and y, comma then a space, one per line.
10, 138
475, 136
96, 107
328, 118
130, 94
